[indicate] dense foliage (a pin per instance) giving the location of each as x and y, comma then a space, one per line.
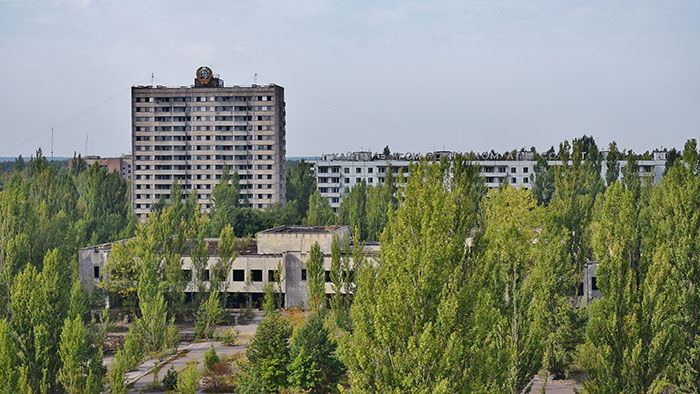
475, 290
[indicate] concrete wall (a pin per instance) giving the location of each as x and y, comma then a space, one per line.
270, 242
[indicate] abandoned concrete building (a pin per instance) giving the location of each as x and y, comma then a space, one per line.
255, 264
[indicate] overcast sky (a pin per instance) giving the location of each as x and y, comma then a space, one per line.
414, 75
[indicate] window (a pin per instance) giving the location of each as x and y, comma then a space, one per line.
328, 276
205, 276
594, 283
256, 275
580, 288
303, 274
271, 275
346, 170
513, 180
369, 170
513, 170
187, 274
358, 170
525, 170
526, 180
238, 275
96, 272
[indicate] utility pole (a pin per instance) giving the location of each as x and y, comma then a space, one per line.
52, 144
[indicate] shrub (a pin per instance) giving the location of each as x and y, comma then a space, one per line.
219, 377
170, 379
230, 337
210, 358
188, 379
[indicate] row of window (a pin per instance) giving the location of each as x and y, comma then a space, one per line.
359, 170
202, 138
202, 99
186, 167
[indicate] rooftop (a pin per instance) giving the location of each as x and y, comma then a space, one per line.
302, 229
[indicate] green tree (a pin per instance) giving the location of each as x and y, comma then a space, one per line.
188, 379
301, 184
340, 275
673, 301
73, 350
268, 352
612, 170
565, 240
9, 360
226, 202
614, 337
116, 374
411, 314
153, 326
315, 277
543, 183
319, 212
511, 219
312, 342
353, 209
209, 315
380, 199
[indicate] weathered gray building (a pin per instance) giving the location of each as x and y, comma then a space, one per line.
255, 263
188, 133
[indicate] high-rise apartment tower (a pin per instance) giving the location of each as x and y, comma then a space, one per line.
190, 133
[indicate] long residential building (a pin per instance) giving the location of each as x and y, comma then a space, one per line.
337, 172
189, 133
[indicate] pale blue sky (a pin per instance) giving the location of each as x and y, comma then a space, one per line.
418, 76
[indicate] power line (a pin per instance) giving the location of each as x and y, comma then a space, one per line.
72, 118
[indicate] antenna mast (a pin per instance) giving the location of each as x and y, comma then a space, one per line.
52, 144
152, 79
255, 79
86, 141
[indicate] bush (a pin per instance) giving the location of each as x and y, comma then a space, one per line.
170, 379
219, 377
230, 337
188, 379
210, 358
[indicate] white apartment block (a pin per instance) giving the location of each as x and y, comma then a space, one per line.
189, 133
337, 172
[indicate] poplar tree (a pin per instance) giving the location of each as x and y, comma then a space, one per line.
673, 304
412, 314
320, 212
511, 221
315, 277
615, 345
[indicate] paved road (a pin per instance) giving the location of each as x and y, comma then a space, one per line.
555, 386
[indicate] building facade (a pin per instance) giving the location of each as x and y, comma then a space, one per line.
337, 172
255, 264
122, 165
189, 133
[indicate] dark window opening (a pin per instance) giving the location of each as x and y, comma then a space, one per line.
96, 271
303, 274
256, 275
328, 276
580, 288
271, 275
594, 283
205, 275
238, 275
187, 274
